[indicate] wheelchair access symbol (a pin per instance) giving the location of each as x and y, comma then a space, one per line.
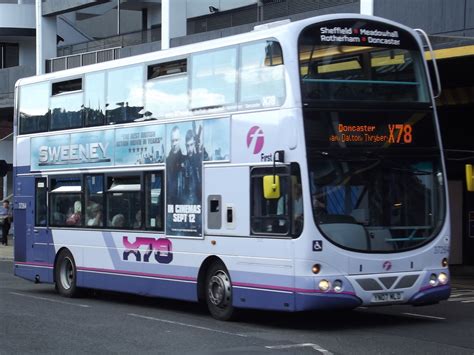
317, 245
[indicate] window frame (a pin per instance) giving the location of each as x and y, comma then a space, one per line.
51, 193
46, 192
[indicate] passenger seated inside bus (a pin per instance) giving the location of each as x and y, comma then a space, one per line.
137, 224
118, 221
95, 219
75, 217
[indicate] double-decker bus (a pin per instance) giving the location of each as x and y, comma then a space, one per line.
295, 167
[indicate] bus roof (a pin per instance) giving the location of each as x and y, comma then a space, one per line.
277, 30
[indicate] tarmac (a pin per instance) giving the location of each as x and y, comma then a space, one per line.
462, 276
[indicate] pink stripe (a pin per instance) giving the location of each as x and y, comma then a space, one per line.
289, 289
33, 264
133, 273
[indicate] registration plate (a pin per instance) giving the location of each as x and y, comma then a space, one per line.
387, 297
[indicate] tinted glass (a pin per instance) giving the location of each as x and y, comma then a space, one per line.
125, 95
376, 178
66, 111
40, 202
154, 201
124, 203
94, 200
361, 61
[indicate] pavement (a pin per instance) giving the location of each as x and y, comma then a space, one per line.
462, 276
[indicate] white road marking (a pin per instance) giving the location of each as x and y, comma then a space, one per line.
464, 293
304, 345
461, 299
50, 300
186, 325
424, 316
468, 301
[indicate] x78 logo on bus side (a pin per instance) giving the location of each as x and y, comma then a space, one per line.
161, 248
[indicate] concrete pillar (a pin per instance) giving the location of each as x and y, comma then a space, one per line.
367, 7
46, 33
173, 21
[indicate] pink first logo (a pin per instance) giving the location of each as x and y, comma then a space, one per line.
255, 139
387, 265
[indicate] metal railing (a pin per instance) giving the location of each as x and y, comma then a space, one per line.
81, 59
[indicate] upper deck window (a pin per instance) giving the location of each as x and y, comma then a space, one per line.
262, 80
66, 104
214, 78
34, 111
125, 94
166, 91
361, 61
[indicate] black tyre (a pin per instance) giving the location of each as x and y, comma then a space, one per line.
219, 292
65, 275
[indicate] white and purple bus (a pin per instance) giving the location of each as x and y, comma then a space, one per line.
292, 168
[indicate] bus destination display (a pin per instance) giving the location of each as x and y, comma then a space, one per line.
395, 133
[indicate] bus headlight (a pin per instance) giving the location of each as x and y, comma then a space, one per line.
337, 286
443, 278
433, 280
324, 285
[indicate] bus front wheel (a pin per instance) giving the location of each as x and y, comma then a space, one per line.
219, 292
65, 275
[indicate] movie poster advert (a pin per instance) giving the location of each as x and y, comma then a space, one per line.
184, 147
140, 145
91, 149
216, 139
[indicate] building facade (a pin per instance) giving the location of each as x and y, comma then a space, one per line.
67, 34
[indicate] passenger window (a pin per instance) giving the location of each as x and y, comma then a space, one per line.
66, 104
125, 95
40, 202
214, 78
124, 202
166, 91
94, 200
94, 100
262, 80
66, 202
34, 111
154, 201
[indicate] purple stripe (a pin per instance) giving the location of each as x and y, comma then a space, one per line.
433, 287
133, 273
289, 289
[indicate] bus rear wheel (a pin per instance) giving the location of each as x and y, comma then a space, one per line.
219, 292
65, 275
